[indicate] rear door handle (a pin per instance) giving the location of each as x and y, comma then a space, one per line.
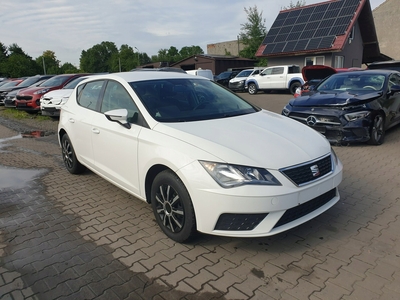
95, 131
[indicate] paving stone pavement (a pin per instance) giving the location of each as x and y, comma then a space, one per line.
79, 237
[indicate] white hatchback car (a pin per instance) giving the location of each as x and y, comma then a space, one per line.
204, 158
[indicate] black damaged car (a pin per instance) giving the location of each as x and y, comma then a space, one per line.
357, 106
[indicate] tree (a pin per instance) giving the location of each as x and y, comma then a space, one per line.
252, 33
189, 51
68, 68
99, 58
299, 3
19, 64
49, 62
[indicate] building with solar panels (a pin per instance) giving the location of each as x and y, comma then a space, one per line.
340, 34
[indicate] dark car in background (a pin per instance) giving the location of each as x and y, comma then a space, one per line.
348, 107
224, 77
389, 65
29, 99
314, 74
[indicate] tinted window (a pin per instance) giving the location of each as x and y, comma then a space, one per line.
88, 94
55, 81
73, 83
277, 71
181, 100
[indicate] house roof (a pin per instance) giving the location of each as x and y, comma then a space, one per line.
321, 27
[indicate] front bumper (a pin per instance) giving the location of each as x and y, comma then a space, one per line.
50, 111
257, 211
335, 128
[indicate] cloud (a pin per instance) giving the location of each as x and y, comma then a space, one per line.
69, 26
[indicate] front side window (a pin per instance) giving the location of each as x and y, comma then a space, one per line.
88, 94
116, 97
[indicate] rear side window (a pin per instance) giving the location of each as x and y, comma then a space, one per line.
88, 94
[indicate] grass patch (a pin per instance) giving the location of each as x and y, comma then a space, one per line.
13, 113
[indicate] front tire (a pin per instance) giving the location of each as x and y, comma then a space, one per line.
172, 207
377, 133
294, 86
69, 157
252, 89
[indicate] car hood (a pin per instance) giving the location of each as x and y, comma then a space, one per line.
334, 99
58, 94
237, 79
262, 139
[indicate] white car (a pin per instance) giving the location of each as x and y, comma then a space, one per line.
237, 83
204, 158
50, 103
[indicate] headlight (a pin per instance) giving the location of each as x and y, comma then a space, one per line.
285, 111
228, 176
41, 91
357, 115
64, 100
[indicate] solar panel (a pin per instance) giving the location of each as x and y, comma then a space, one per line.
309, 28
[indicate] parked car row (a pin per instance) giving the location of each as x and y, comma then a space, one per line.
29, 94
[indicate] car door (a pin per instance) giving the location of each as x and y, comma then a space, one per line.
115, 146
87, 96
276, 80
263, 78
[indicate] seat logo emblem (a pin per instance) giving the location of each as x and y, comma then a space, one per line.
315, 170
311, 120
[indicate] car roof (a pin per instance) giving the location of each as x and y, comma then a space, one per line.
144, 75
367, 71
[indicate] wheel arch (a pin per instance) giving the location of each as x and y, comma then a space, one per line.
150, 175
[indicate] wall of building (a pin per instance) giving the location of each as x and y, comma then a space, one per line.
231, 47
387, 25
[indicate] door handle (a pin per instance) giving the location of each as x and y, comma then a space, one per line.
71, 120
95, 131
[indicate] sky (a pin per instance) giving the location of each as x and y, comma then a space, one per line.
67, 27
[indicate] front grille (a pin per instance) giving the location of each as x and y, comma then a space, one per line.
309, 172
24, 97
320, 119
305, 208
239, 222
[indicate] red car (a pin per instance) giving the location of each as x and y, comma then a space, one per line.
314, 74
29, 99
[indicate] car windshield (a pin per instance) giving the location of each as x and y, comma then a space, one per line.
182, 100
10, 84
244, 73
224, 75
29, 81
55, 81
350, 81
72, 84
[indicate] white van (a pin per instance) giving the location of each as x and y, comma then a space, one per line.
201, 72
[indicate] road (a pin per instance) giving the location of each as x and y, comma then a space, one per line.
78, 237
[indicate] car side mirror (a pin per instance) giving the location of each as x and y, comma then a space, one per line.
118, 115
395, 89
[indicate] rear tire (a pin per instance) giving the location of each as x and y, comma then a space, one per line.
377, 132
172, 207
252, 89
